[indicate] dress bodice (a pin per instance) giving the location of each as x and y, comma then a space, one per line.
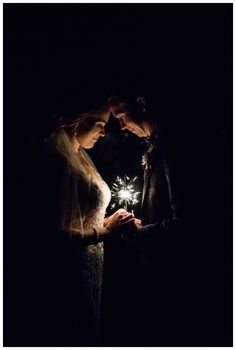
89, 262
98, 201
77, 201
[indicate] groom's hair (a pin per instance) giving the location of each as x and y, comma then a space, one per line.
137, 106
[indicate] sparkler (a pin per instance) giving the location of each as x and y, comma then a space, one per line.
123, 192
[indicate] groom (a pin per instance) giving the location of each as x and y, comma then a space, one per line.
168, 307
163, 191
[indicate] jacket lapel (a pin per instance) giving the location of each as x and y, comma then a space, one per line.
147, 176
148, 171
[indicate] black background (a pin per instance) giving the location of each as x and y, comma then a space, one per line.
180, 51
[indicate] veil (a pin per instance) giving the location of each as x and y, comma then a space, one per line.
67, 184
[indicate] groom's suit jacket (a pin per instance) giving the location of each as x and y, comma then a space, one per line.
164, 243
164, 207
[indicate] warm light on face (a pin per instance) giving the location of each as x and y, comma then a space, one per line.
126, 123
89, 139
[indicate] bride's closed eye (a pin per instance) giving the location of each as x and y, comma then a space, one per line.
100, 125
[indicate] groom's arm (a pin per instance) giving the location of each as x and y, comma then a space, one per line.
176, 174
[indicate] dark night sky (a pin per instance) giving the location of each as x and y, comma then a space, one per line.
185, 49
180, 53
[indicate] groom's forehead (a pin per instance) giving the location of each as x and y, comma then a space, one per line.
121, 115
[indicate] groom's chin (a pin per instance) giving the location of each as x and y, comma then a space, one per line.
138, 134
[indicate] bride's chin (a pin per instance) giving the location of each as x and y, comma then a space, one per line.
89, 145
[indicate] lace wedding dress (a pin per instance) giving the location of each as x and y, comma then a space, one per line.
84, 268
70, 269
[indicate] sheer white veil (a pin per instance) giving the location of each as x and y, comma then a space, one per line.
70, 180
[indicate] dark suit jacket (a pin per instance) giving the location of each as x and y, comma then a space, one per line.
165, 244
165, 207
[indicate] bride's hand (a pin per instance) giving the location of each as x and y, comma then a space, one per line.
109, 218
118, 219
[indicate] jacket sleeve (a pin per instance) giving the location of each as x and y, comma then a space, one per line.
178, 182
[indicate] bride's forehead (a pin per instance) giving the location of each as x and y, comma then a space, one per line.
103, 118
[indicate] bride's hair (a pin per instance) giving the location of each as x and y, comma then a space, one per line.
60, 142
60, 138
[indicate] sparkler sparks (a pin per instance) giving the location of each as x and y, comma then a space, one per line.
123, 192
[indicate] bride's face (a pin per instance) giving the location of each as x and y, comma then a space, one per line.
87, 140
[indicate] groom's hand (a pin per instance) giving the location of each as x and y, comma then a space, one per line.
137, 222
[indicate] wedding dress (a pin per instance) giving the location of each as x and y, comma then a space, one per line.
82, 206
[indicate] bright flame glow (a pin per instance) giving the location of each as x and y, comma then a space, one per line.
123, 192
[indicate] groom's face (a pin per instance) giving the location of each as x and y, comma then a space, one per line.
127, 123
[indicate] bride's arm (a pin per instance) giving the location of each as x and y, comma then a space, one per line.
86, 237
105, 222
94, 235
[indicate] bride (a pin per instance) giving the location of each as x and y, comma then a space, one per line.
75, 206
